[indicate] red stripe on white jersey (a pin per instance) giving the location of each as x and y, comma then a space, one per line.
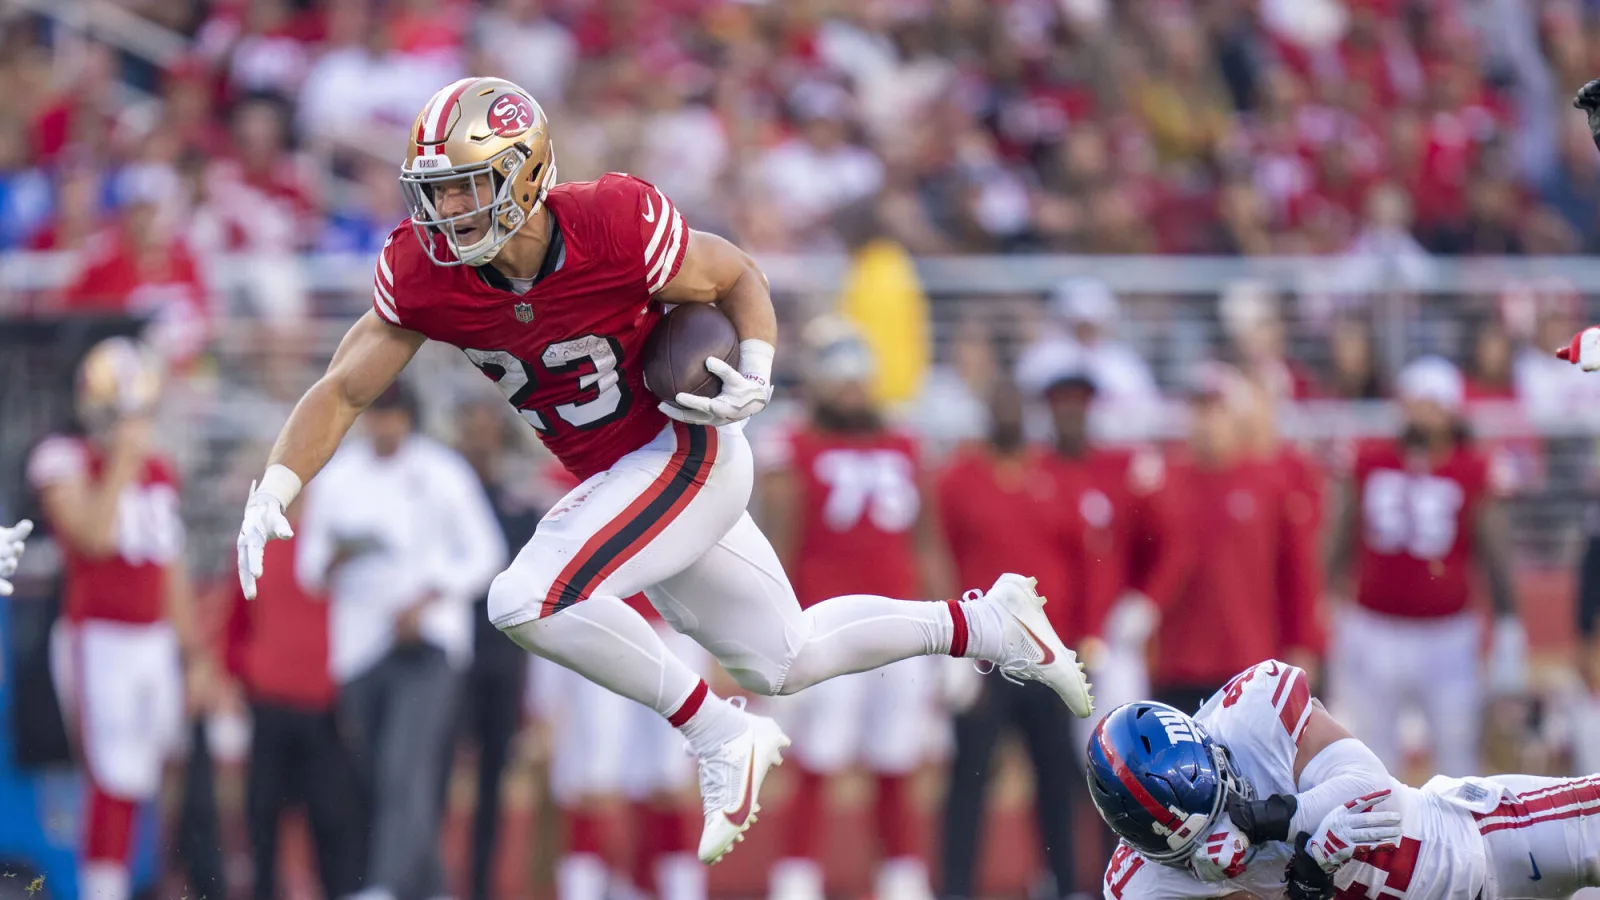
1552, 804
1296, 710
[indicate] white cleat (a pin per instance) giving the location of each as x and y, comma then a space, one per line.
1032, 651
730, 782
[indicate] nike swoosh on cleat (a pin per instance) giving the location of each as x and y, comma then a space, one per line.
738, 816
1049, 655
1535, 863
650, 209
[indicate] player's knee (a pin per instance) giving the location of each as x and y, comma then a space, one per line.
511, 599
757, 682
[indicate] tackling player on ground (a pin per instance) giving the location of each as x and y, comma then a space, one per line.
551, 291
1263, 794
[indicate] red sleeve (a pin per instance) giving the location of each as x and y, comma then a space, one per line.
385, 296
653, 233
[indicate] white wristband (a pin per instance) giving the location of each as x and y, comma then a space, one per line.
280, 483
755, 360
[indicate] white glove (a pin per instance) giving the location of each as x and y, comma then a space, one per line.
11, 547
263, 521
1223, 854
1352, 827
1584, 351
745, 391
1131, 621
1508, 657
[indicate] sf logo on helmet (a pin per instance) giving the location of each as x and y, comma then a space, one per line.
510, 115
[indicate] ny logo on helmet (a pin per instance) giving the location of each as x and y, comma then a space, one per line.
1178, 730
524, 312
510, 115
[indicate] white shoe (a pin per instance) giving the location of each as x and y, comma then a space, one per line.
730, 781
1031, 651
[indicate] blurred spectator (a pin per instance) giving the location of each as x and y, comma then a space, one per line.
24, 191
143, 268
1005, 507
1489, 376
490, 711
261, 43
83, 117
398, 532
277, 648
78, 211
257, 199
362, 226
1356, 373
883, 298
1258, 341
820, 170
525, 44
1572, 187
1084, 315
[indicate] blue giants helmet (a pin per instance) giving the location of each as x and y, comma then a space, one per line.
1158, 779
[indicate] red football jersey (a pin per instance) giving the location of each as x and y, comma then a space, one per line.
859, 500
566, 353
1416, 529
129, 586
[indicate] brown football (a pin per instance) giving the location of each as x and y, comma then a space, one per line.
675, 354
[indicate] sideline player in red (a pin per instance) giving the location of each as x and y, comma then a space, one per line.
1418, 513
128, 639
551, 290
844, 504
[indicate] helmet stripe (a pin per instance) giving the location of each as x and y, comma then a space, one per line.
431, 134
1125, 775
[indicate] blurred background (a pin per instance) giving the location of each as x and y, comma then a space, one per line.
1056, 224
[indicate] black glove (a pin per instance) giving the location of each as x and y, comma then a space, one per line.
1263, 820
1304, 879
1588, 100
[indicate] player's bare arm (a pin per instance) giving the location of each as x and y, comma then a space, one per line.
82, 510
369, 358
1509, 646
715, 271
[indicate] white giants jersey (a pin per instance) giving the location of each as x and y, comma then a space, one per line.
1259, 717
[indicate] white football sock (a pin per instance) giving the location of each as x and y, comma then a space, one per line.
858, 632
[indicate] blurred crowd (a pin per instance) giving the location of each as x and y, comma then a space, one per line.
1407, 127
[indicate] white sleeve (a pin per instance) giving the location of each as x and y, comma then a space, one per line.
1341, 772
313, 536
476, 549
56, 459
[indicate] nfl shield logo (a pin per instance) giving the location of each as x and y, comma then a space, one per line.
524, 312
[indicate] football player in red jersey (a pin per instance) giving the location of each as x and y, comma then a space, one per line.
1419, 511
128, 625
842, 495
551, 290
12, 542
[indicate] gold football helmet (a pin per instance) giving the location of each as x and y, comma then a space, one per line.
118, 377
488, 138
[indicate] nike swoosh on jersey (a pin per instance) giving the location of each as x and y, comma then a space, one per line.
742, 812
649, 209
1049, 655
1536, 873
